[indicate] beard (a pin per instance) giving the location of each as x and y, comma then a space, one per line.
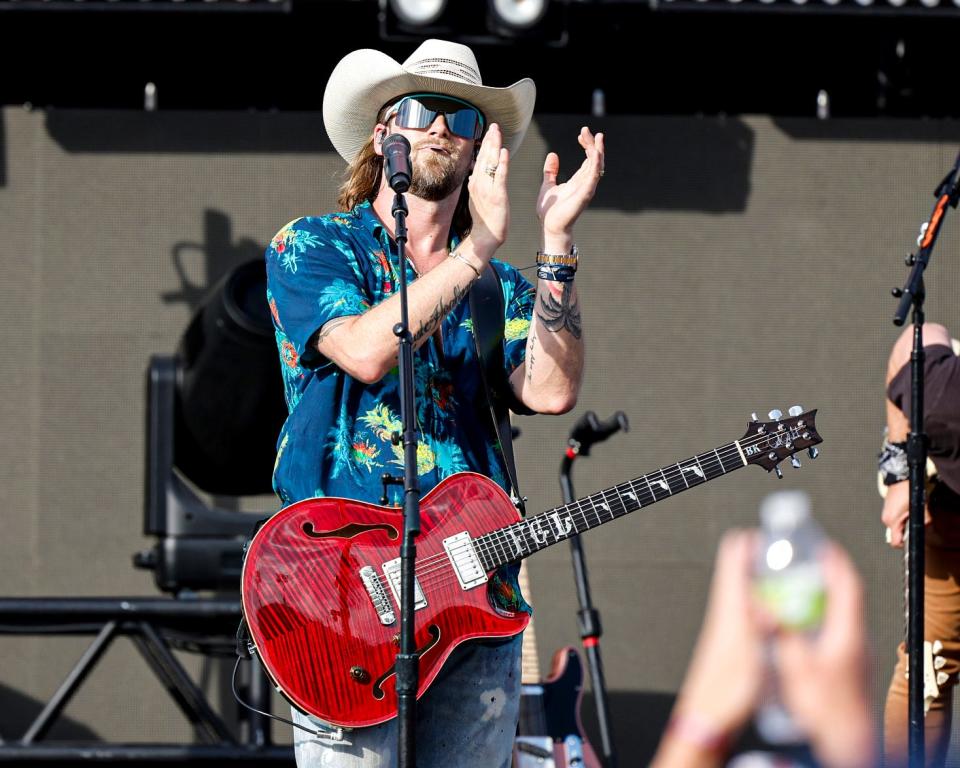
436, 175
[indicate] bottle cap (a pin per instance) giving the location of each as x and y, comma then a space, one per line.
784, 509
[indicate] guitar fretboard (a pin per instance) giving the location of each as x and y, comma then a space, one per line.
517, 541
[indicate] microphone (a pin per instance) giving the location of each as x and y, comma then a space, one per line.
396, 162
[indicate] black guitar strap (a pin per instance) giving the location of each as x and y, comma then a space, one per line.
487, 314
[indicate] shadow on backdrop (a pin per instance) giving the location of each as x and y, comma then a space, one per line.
85, 130
849, 129
219, 253
662, 163
3, 152
19, 711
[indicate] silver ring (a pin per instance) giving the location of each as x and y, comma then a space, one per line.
491, 171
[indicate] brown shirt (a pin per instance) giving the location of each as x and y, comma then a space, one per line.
941, 408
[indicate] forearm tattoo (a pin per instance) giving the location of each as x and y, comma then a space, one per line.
329, 327
561, 315
439, 312
530, 357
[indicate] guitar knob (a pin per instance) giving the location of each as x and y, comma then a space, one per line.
795, 462
795, 410
776, 469
813, 452
774, 415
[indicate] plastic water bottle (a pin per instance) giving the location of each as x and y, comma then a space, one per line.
789, 582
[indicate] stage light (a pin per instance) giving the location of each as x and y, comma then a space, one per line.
418, 13
214, 411
518, 14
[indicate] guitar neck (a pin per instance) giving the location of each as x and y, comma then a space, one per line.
522, 539
529, 659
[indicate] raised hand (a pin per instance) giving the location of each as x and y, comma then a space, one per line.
559, 205
489, 202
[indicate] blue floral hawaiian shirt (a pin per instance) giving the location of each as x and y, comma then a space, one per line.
337, 437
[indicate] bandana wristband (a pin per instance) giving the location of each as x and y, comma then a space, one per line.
892, 462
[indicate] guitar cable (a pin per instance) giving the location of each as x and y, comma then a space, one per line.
335, 735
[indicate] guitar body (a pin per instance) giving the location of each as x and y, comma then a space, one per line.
316, 626
321, 579
551, 709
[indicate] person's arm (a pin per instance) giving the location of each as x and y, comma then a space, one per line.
896, 504
548, 380
722, 684
364, 346
822, 679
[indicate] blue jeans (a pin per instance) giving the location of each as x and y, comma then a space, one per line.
467, 718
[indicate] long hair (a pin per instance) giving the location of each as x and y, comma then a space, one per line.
362, 182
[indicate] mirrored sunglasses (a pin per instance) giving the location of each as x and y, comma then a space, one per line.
419, 110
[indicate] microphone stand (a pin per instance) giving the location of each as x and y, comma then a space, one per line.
407, 664
585, 433
913, 295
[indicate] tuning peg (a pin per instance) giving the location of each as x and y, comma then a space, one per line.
942, 678
813, 452
753, 416
939, 662
774, 415
910, 260
937, 646
795, 410
795, 462
897, 292
776, 468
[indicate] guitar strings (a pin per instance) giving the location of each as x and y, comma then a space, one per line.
489, 543
498, 539
490, 546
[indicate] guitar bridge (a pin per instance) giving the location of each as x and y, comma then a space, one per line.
378, 595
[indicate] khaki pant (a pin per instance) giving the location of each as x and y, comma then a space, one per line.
941, 622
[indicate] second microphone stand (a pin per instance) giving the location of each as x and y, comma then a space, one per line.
912, 295
586, 433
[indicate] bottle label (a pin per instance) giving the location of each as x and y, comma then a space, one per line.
795, 597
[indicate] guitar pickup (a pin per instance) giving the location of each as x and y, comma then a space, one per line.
391, 570
463, 558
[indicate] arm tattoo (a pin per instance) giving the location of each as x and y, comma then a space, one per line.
559, 315
439, 312
533, 346
329, 327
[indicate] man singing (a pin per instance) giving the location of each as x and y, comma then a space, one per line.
332, 288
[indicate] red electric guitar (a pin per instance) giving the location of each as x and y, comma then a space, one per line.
321, 578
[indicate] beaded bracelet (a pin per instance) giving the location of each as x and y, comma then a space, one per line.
460, 257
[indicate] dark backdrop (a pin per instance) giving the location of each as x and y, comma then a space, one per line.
729, 266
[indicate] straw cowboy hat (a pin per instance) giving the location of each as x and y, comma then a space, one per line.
366, 80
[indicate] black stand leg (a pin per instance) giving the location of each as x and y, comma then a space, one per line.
912, 295
585, 433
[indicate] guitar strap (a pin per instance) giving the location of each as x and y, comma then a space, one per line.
487, 314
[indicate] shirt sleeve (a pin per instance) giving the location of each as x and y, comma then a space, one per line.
312, 278
518, 298
941, 380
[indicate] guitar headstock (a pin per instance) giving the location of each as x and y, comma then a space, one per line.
767, 443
